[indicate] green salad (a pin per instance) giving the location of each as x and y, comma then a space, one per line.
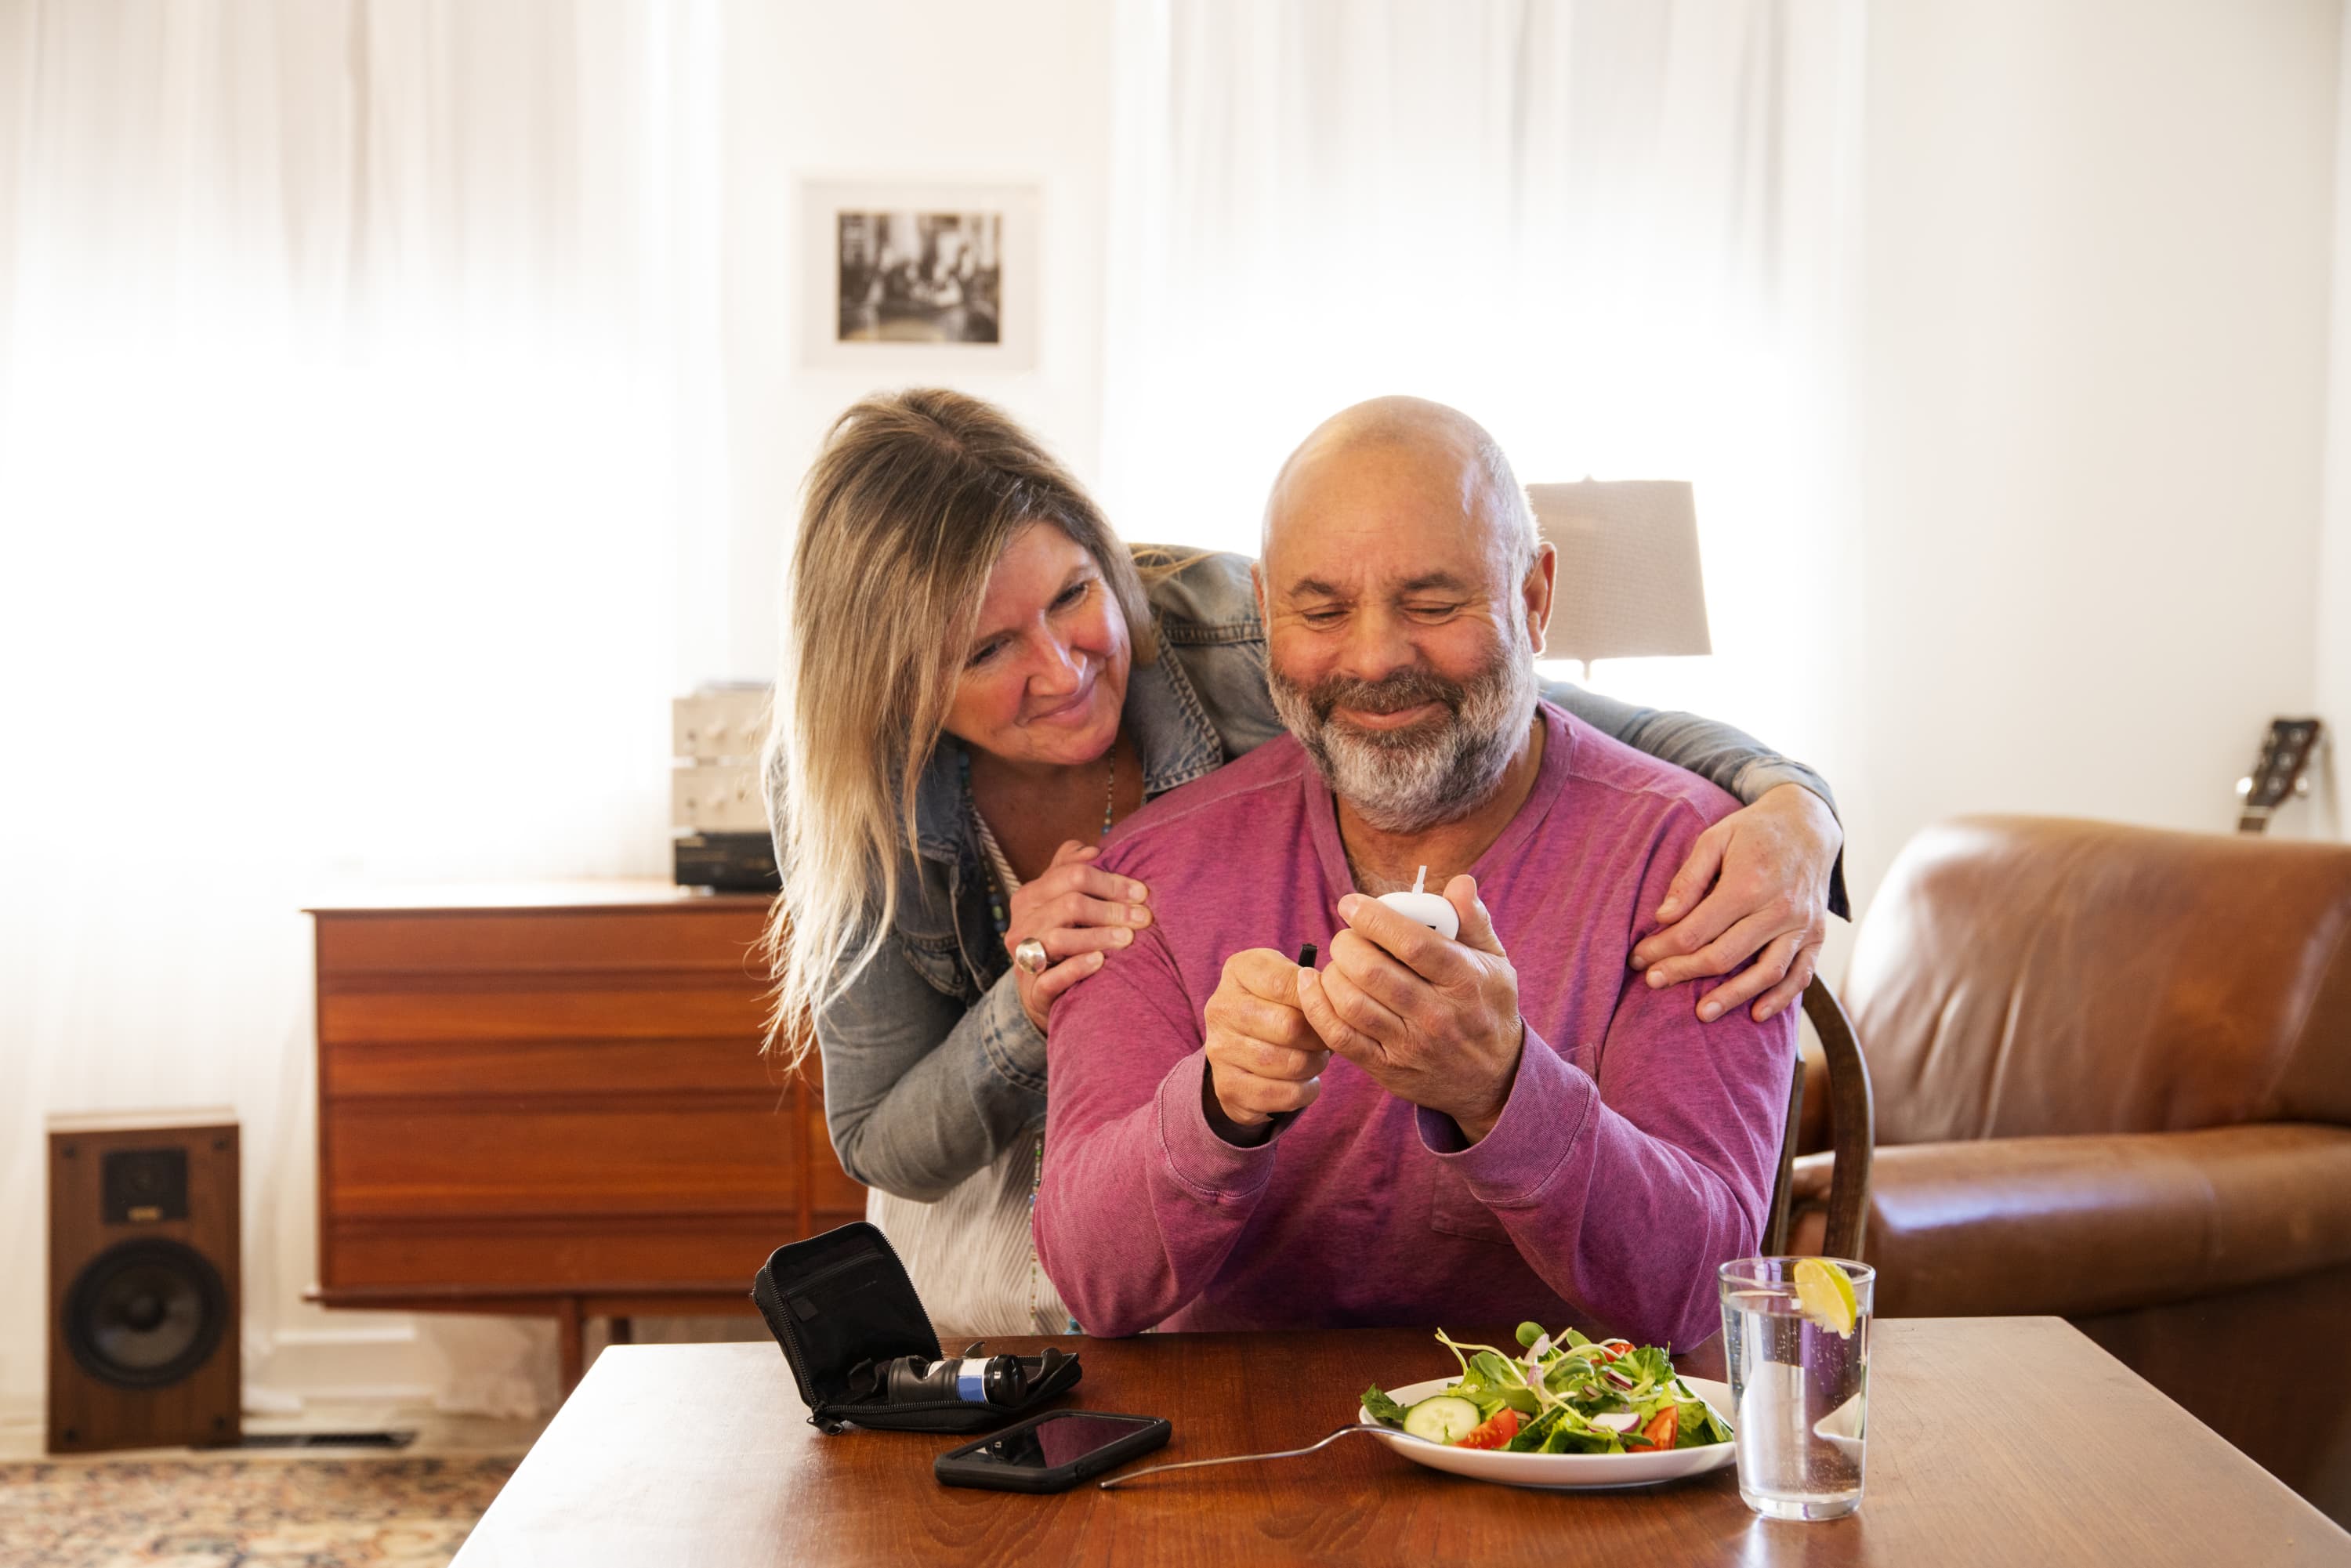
1568, 1396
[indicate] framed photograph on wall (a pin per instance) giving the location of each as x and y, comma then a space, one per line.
907, 279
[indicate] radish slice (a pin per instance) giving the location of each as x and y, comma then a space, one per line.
1618, 1420
1617, 1377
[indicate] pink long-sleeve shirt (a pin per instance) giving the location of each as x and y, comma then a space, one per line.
1634, 1156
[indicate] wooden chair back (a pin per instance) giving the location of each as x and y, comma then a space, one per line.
1852, 1133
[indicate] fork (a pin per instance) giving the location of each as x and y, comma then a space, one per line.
1281, 1454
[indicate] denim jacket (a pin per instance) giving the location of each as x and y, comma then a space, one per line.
932, 1068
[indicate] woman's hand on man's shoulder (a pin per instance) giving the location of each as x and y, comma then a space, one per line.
1078, 913
1756, 886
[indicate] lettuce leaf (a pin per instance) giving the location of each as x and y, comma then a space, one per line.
1492, 1382
1649, 1364
1564, 1440
1531, 1435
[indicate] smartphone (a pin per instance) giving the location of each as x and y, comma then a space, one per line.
1052, 1452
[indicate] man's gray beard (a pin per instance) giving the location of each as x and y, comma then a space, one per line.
1411, 779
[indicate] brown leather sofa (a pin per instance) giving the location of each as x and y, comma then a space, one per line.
2113, 1069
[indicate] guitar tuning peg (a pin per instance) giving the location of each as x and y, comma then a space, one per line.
2244, 786
2301, 788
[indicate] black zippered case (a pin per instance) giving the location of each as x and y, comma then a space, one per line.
836, 1300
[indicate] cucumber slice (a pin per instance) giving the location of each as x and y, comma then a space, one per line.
1443, 1419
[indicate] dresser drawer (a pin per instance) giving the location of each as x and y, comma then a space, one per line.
653, 1155
687, 936
361, 1068
509, 1009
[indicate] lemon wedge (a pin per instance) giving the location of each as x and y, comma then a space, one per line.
1824, 1290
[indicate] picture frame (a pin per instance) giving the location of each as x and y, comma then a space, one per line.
909, 278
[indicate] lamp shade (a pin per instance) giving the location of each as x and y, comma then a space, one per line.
1629, 584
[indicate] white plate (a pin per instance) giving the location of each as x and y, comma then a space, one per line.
1562, 1471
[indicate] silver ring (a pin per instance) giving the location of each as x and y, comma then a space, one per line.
1030, 957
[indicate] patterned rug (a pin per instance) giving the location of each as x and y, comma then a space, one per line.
244, 1514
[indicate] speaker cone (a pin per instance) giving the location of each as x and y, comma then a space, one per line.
145, 1314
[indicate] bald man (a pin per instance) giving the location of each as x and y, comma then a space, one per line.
1503, 1125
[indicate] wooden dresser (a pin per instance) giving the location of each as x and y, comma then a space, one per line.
551, 1101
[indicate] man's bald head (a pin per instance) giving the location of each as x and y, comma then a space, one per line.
1439, 446
1403, 596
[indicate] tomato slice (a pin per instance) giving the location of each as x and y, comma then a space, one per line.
1664, 1429
1494, 1432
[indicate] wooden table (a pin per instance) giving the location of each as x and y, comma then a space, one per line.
1991, 1440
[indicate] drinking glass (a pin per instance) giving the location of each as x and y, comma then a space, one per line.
1800, 1390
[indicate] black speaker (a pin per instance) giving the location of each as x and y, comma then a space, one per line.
143, 1346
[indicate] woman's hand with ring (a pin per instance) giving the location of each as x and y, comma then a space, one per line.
1077, 913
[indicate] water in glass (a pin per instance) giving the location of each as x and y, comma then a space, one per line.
1801, 1392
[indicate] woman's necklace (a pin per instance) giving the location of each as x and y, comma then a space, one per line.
1002, 884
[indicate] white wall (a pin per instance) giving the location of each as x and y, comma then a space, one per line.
1017, 90
2095, 242
2096, 262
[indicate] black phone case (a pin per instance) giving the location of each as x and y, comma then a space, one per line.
951, 1469
843, 1298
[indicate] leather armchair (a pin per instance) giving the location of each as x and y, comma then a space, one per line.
2113, 1071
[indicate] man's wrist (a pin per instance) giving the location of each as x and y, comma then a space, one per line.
1240, 1134
1474, 1124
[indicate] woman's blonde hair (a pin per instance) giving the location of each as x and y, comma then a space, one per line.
911, 500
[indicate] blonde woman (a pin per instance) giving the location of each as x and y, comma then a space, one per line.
979, 682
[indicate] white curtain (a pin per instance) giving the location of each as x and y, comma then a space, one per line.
357, 395
1616, 232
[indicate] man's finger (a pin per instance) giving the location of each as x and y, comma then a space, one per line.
1377, 973
1361, 1010
1788, 992
1263, 1059
1697, 874
1334, 1031
1281, 1061
1418, 949
1476, 924
1771, 966
1262, 972
1238, 1090
1254, 1017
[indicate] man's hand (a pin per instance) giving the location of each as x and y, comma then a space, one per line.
1434, 1022
1264, 1060
1768, 867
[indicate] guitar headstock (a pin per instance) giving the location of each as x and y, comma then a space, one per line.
2285, 752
